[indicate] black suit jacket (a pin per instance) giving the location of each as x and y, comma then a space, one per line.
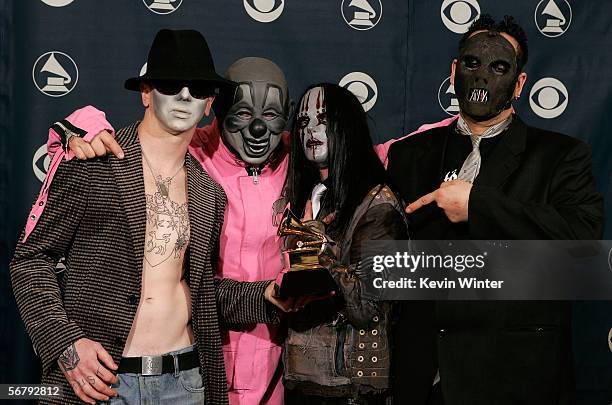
535, 184
95, 217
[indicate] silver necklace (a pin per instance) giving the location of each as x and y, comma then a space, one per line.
163, 185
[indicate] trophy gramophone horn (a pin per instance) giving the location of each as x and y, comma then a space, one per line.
307, 238
291, 225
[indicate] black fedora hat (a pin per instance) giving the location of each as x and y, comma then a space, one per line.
179, 55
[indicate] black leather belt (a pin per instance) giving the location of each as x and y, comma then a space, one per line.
157, 365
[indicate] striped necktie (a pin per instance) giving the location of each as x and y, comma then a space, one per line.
471, 166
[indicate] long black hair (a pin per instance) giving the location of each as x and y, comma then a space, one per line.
354, 167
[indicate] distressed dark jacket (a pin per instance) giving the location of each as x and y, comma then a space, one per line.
340, 347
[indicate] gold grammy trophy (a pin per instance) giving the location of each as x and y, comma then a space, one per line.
304, 248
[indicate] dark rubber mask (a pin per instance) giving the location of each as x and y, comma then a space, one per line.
486, 75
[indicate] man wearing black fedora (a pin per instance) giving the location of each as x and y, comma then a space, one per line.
135, 316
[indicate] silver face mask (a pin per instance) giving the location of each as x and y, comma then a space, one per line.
178, 113
312, 126
255, 122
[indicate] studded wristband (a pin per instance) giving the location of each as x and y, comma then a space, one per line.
66, 131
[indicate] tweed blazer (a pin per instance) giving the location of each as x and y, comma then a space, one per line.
95, 218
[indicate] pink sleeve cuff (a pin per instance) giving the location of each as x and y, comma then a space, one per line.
89, 119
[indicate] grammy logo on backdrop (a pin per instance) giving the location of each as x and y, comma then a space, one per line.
162, 5
360, 14
553, 25
55, 74
453, 107
363, 17
59, 78
447, 99
553, 17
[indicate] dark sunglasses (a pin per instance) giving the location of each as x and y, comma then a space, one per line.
197, 90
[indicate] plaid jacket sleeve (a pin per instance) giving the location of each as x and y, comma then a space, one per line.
243, 302
35, 283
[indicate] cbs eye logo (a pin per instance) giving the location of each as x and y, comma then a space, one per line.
458, 15
57, 3
264, 11
548, 98
363, 87
40, 163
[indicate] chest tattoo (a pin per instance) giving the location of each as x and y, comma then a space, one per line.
167, 229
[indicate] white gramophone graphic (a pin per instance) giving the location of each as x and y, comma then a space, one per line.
162, 5
364, 17
553, 25
453, 108
447, 97
60, 78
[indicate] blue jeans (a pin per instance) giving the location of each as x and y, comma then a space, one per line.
178, 388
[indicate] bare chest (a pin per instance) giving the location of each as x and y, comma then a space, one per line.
167, 220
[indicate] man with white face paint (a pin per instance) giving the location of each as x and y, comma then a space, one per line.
312, 129
334, 163
246, 151
139, 235
312, 125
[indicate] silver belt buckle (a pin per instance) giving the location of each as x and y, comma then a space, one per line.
151, 365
